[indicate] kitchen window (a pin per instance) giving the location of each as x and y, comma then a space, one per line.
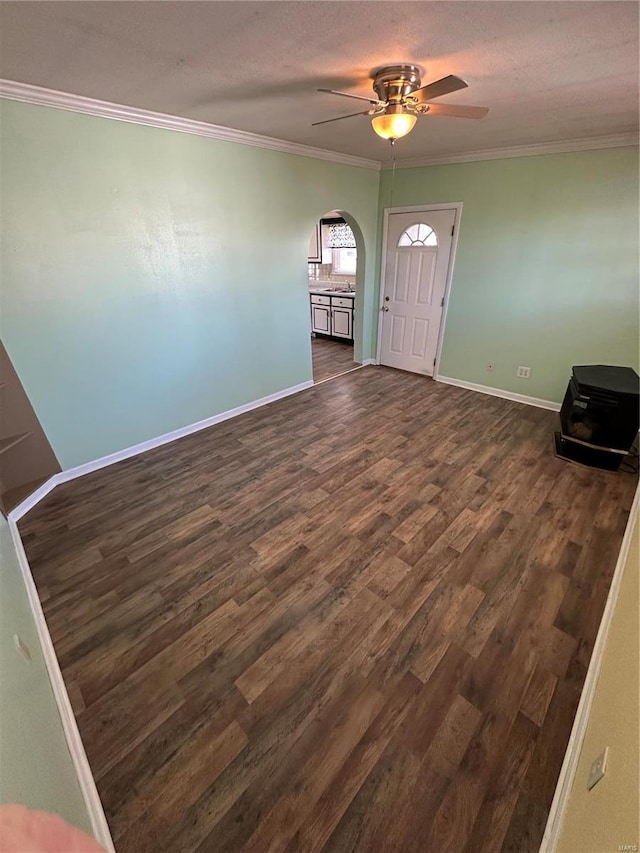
341, 236
344, 261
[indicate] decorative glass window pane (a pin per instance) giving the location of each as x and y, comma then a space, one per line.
418, 235
341, 236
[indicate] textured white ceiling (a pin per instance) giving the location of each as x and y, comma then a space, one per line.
547, 70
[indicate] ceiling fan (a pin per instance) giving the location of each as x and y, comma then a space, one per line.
401, 99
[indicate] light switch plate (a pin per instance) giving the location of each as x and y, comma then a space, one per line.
598, 768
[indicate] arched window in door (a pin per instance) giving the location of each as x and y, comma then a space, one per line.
419, 234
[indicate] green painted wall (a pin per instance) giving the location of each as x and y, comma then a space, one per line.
151, 279
546, 272
35, 766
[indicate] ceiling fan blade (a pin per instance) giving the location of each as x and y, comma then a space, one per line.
456, 111
444, 86
339, 118
375, 101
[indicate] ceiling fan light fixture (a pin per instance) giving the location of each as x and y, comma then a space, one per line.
394, 122
400, 99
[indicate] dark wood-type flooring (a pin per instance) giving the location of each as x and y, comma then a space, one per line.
357, 619
330, 358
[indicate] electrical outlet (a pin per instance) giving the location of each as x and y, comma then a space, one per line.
490, 367
523, 372
598, 768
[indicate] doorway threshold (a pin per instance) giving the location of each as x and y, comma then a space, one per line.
338, 375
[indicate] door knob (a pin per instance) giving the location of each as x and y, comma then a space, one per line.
384, 308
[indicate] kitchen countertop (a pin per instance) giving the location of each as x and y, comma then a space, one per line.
326, 291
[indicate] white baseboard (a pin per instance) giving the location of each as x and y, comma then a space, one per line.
369, 361
76, 749
499, 392
174, 435
87, 785
35, 497
120, 455
95, 465
572, 756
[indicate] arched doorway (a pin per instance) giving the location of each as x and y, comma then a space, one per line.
334, 264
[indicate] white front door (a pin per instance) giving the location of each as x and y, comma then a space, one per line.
415, 279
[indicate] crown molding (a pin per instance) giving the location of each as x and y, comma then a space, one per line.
591, 143
28, 94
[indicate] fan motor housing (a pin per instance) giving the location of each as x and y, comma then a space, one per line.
394, 82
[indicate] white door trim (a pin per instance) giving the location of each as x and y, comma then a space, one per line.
418, 208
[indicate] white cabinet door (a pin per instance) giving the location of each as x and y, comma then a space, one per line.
342, 322
321, 319
315, 246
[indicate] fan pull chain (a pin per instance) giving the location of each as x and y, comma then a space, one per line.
393, 171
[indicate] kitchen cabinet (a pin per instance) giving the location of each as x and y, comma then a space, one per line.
342, 317
321, 314
332, 316
315, 246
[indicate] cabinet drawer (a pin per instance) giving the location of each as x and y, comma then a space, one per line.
320, 300
342, 301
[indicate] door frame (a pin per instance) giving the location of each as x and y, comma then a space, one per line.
416, 208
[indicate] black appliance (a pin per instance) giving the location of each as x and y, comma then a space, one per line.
600, 415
